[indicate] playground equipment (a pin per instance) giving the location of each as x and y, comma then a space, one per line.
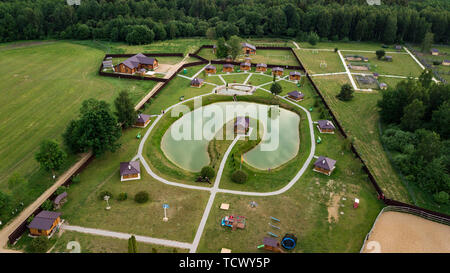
272, 234
271, 244
233, 221
323, 64
356, 204
319, 140
274, 226
310, 109
275, 219
289, 241
138, 135
181, 98
184, 71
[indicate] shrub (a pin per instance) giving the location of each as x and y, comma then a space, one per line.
47, 205
75, 179
207, 171
39, 245
313, 38
437, 62
239, 177
441, 197
102, 195
122, 196
336, 49
141, 197
61, 190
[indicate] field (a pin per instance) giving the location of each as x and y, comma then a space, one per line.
43, 88
369, 46
312, 61
444, 54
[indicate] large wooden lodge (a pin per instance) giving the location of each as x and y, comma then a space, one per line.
136, 63
45, 223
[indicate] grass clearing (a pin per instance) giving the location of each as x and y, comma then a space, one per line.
313, 61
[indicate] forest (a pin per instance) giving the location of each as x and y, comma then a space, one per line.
144, 21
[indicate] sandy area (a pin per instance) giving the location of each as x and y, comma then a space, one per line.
405, 233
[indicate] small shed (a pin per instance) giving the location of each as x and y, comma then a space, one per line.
108, 64
228, 68
325, 126
248, 49
241, 125
261, 67
383, 86
277, 71
434, 51
142, 120
388, 58
398, 47
214, 49
60, 200
197, 82
210, 69
376, 75
45, 223
294, 75
446, 62
324, 165
130, 170
245, 66
295, 95
272, 244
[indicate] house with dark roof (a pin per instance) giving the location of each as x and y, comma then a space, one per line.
277, 71
142, 120
324, 165
210, 69
325, 126
261, 67
60, 200
241, 125
294, 75
130, 170
434, 51
383, 86
248, 49
136, 63
45, 223
245, 66
295, 95
446, 62
398, 47
228, 68
197, 82
388, 58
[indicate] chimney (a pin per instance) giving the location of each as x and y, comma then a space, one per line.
129, 167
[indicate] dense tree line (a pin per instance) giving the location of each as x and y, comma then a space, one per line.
144, 21
418, 134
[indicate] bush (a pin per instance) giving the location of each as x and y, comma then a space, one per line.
76, 179
141, 197
47, 205
122, 196
61, 190
207, 171
39, 245
441, 197
239, 177
437, 62
102, 195
313, 38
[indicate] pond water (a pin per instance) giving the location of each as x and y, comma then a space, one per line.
185, 143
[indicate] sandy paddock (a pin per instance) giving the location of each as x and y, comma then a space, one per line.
405, 233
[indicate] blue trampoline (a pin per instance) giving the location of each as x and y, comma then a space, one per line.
289, 241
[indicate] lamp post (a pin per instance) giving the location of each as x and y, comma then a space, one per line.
106, 198
165, 207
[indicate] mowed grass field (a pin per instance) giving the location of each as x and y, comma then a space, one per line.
43, 87
312, 61
360, 120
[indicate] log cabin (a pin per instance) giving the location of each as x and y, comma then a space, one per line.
228, 68
434, 52
277, 71
45, 223
130, 171
245, 66
294, 76
325, 126
210, 69
261, 67
324, 165
142, 121
248, 49
446, 62
197, 82
295, 95
136, 63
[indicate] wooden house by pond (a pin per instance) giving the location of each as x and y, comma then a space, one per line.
277, 71
294, 76
325, 126
245, 66
136, 63
210, 69
60, 200
261, 67
248, 49
324, 165
197, 82
142, 121
130, 170
228, 68
45, 223
295, 95
241, 125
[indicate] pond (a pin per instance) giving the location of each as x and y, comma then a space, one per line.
186, 141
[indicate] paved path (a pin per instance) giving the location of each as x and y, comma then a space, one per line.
296, 45
246, 80
418, 62
126, 236
348, 71
23, 216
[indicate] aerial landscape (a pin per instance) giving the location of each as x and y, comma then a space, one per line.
225, 126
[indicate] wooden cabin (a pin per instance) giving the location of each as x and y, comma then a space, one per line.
383, 86
324, 165
248, 49
245, 66
272, 244
294, 76
248, 60
136, 63
434, 52
261, 67
130, 171
210, 69
325, 126
142, 121
241, 125
277, 71
388, 58
45, 223
295, 95
197, 82
60, 200
446, 62
228, 68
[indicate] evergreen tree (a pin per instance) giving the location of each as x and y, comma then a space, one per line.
276, 88
132, 245
427, 42
346, 93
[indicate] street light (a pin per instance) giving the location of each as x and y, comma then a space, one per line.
106, 198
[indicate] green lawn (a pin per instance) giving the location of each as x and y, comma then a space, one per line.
235, 78
371, 46
282, 57
43, 88
312, 61
444, 52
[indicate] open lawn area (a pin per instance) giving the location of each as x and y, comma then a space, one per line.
444, 54
350, 45
271, 56
321, 61
182, 45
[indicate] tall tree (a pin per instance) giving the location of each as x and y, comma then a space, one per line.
427, 42
412, 115
346, 93
276, 88
50, 156
235, 46
126, 115
390, 29
132, 245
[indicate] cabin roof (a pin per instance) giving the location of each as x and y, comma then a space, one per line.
142, 118
196, 81
228, 65
59, 198
325, 124
261, 65
249, 46
277, 69
296, 94
294, 73
134, 61
245, 64
44, 220
132, 167
210, 66
242, 121
325, 163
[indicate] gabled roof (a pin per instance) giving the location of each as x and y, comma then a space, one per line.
325, 124
44, 220
249, 46
210, 66
228, 65
261, 65
296, 94
59, 198
132, 167
277, 69
142, 118
294, 73
325, 163
245, 64
134, 61
434, 50
196, 81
